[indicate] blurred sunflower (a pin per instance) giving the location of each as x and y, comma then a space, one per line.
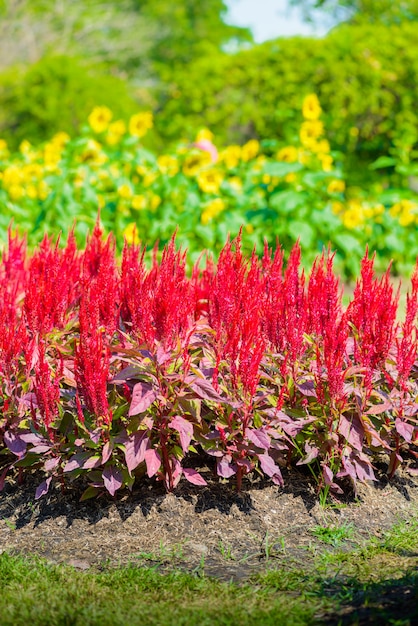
99, 119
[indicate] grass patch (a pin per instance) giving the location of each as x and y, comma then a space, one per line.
377, 581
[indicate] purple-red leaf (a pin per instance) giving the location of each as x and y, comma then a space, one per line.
193, 477
40, 449
32, 438
404, 429
112, 479
76, 461
185, 430
204, 389
153, 461
52, 463
311, 452
376, 409
93, 462
107, 451
132, 371
14, 443
307, 388
43, 488
328, 474
259, 438
268, 466
135, 448
143, 395
352, 430
224, 468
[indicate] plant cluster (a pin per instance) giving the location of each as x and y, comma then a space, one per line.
112, 371
272, 189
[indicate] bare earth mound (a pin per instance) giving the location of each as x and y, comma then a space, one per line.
225, 534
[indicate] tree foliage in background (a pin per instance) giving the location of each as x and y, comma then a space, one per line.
383, 11
188, 30
365, 75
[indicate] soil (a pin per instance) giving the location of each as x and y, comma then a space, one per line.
209, 529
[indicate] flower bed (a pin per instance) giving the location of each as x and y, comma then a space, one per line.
113, 371
206, 191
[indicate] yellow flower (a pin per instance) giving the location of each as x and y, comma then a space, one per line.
12, 175
354, 215
60, 139
118, 127
131, 234
405, 210
99, 119
236, 183
43, 190
115, 133
266, 178
323, 146
32, 171
149, 178
289, 154
310, 131
204, 135
326, 162
140, 123
32, 191
249, 228
51, 155
125, 191
138, 202
195, 162
250, 150
212, 209
337, 208
336, 186
3, 146
114, 170
155, 201
230, 156
209, 181
25, 147
260, 161
291, 177
168, 164
93, 154
16, 192
112, 139
311, 109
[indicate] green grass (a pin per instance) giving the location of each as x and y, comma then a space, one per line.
37, 593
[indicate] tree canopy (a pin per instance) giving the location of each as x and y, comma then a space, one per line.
383, 11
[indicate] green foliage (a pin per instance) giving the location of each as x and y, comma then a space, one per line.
365, 76
188, 31
56, 94
270, 189
384, 11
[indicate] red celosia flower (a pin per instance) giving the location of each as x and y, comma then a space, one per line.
159, 303
99, 278
235, 303
53, 277
284, 307
327, 325
373, 314
46, 389
92, 357
407, 345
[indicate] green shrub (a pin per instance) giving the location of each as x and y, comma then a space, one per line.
56, 94
365, 76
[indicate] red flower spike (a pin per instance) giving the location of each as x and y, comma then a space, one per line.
373, 313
